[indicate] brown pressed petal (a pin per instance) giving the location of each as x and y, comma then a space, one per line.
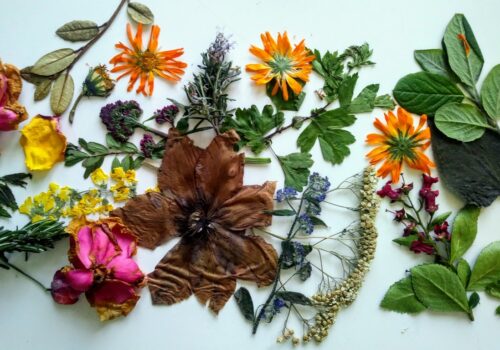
151, 217
177, 170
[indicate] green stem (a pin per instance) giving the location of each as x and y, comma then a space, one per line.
38, 283
257, 160
151, 130
73, 109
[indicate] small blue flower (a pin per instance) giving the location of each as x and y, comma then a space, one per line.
286, 193
279, 304
306, 223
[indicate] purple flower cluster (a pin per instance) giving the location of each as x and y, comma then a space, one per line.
286, 193
121, 118
219, 48
166, 114
428, 195
148, 145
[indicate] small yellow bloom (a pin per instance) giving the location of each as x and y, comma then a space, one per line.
153, 189
99, 177
64, 193
53, 187
26, 207
120, 192
36, 218
43, 143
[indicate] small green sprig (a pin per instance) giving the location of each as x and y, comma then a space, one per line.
7, 199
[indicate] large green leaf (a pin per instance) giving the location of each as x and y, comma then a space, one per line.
401, 298
78, 30
464, 231
490, 92
464, 56
433, 61
460, 121
62, 93
439, 289
486, 270
54, 62
296, 169
425, 93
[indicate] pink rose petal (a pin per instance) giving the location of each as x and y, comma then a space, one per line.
102, 248
125, 269
84, 246
125, 242
61, 291
80, 280
111, 291
8, 119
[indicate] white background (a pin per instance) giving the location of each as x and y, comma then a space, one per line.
30, 320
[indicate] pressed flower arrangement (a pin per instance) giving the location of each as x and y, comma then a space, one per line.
280, 234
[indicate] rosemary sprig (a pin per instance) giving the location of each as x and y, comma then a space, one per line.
7, 199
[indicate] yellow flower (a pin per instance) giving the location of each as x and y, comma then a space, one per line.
64, 193
43, 143
99, 177
53, 187
153, 189
120, 192
26, 207
36, 218
127, 177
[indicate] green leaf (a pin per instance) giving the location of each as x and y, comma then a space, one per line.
115, 164
401, 298
245, 303
365, 101
334, 145
425, 93
90, 164
464, 231
434, 61
438, 220
62, 93
439, 289
73, 155
490, 93
140, 13
296, 169
385, 102
7, 197
112, 143
4, 214
346, 89
486, 270
54, 62
497, 311
127, 163
317, 221
473, 300
294, 298
463, 272
129, 147
78, 30
42, 89
405, 241
32, 78
16, 179
464, 56
462, 122
253, 126
293, 253
138, 162
493, 289
281, 212
96, 148
294, 101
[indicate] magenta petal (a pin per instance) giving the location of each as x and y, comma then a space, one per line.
102, 248
8, 119
126, 243
80, 280
84, 246
111, 291
3, 90
125, 269
61, 290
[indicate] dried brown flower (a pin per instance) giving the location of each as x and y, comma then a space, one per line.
203, 201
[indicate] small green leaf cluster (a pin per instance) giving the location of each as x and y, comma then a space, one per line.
7, 199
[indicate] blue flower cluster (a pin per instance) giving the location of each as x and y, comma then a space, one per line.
286, 193
306, 224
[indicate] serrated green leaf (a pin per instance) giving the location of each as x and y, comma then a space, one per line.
463, 272
245, 303
464, 56
425, 93
294, 298
346, 89
365, 101
464, 231
334, 145
439, 289
490, 93
54, 62
434, 61
42, 89
296, 169
140, 13
78, 31
486, 270
401, 298
292, 104
62, 93
462, 122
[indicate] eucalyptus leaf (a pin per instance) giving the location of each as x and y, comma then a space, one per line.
463, 272
42, 89
62, 93
439, 289
464, 56
78, 31
462, 122
425, 93
245, 303
401, 298
140, 13
281, 212
464, 231
54, 62
486, 270
490, 93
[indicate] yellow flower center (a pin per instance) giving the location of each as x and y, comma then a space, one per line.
147, 61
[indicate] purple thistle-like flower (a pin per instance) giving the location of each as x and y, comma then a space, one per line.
166, 114
219, 48
121, 118
147, 145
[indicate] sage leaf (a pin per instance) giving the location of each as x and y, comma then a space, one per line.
472, 169
439, 289
425, 93
463, 272
54, 62
434, 61
460, 122
474, 300
464, 231
78, 31
464, 56
486, 270
490, 92
245, 303
401, 298
296, 169
62, 93
493, 289
42, 89
294, 298
140, 13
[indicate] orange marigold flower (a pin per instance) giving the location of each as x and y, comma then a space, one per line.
282, 64
400, 142
145, 64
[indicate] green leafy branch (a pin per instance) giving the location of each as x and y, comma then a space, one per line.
7, 199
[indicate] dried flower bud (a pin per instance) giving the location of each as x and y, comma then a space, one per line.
400, 215
98, 82
388, 191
